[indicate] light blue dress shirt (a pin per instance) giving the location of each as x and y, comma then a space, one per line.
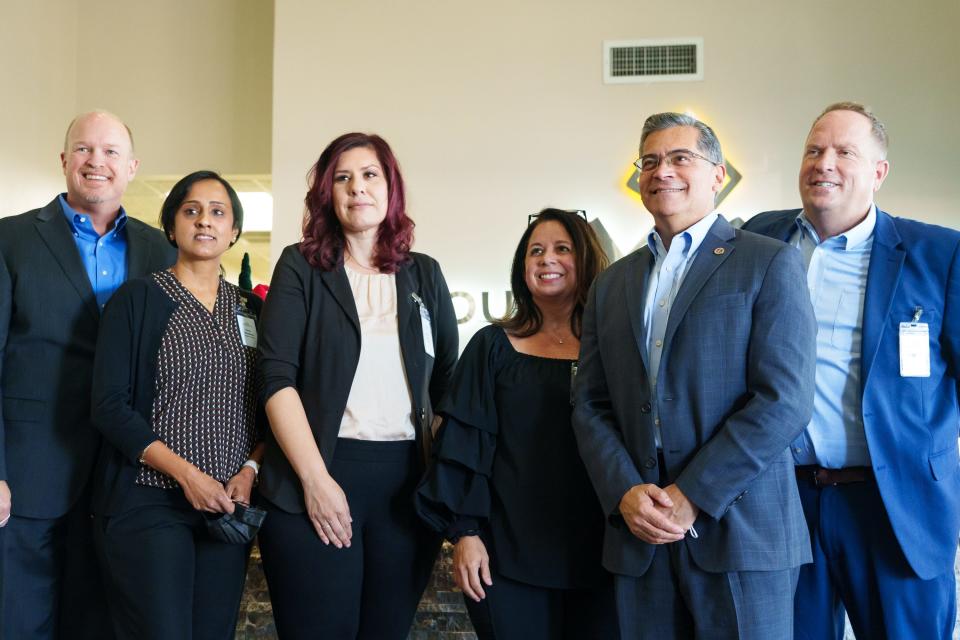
837, 280
104, 257
663, 283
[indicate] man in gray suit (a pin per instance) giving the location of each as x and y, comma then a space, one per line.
696, 372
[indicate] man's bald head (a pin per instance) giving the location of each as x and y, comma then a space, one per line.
95, 113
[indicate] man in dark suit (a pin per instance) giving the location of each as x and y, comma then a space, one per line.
695, 375
58, 266
877, 465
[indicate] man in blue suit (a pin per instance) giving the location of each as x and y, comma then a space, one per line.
877, 465
696, 373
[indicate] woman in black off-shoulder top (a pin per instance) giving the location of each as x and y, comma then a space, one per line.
507, 485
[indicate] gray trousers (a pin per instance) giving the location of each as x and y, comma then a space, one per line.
677, 599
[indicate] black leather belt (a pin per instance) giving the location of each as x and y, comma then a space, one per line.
820, 477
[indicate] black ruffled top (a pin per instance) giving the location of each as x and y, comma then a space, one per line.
505, 461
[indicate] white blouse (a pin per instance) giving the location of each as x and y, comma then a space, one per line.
379, 404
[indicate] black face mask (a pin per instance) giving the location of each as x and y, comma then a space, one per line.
239, 527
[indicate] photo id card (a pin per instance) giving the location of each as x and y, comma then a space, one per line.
248, 330
425, 325
914, 350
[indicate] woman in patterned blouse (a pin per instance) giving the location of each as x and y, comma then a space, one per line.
174, 396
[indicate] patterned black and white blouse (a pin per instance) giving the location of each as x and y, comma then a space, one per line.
204, 408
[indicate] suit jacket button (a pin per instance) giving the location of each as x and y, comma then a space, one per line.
650, 463
645, 408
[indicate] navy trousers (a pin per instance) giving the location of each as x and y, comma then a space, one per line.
50, 582
858, 566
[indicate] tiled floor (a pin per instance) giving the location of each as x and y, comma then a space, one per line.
441, 615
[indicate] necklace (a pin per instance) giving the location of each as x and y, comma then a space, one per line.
360, 264
558, 337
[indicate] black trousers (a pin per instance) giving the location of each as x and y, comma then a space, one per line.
50, 583
515, 610
167, 579
370, 590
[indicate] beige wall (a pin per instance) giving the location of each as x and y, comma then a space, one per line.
38, 78
497, 108
192, 79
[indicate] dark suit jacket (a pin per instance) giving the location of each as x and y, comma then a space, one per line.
48, 331
911, 424
310, 340
735, 387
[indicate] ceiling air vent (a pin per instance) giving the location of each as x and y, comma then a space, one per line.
667, 59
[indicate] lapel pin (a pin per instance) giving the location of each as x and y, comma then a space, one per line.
719, 251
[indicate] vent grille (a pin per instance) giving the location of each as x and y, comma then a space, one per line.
653, 60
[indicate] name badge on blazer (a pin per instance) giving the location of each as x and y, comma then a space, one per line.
915, 347
425, 325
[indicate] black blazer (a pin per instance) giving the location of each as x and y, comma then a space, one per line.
48, 332
310, 340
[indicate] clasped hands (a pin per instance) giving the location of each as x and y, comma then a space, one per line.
657, 515
205, 493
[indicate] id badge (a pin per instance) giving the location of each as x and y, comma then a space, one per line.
914, 350
248, 330
425, 325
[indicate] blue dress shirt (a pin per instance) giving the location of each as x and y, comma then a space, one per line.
837, 280
104, 257
663, 283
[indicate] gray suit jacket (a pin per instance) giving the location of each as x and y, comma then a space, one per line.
48, 331
735, 387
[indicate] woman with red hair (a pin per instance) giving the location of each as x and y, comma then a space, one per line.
358, 342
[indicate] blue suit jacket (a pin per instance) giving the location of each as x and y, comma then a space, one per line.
911, 424
735, 388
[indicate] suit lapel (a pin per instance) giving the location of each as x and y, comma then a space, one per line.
716, 247
406, 307
636, 293
883, 277
784, 228
138, 251
55, 233
339, 287
407, 330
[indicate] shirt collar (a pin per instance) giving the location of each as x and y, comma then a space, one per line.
81, 222
692, 236
851, 238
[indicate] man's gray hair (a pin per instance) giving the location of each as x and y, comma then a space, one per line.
707, 142
877, 128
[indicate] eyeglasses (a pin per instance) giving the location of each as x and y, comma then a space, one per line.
571, 212
678, 158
